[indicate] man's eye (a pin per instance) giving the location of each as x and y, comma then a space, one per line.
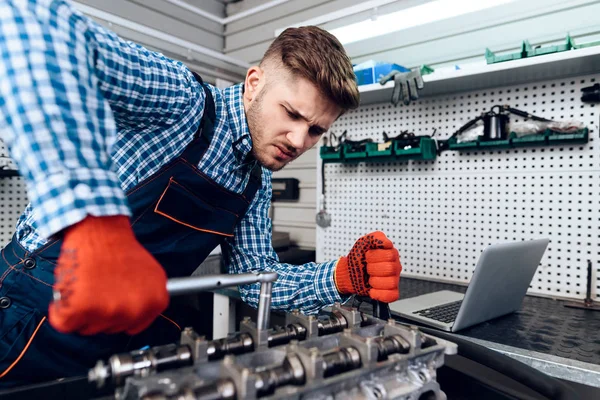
315, 131
291, 114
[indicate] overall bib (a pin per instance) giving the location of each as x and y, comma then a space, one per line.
178, 214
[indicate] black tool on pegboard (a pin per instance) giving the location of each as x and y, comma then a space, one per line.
591, 94
495, 123
588, 302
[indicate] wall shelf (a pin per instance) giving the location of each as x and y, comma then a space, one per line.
481, 76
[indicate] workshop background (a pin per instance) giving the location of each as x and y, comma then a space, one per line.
440, 208
407, 199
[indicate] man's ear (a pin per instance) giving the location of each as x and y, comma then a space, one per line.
255, 77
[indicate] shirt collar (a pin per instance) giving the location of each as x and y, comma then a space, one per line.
238, 124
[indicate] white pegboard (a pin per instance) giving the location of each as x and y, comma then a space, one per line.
441, 214
13, 198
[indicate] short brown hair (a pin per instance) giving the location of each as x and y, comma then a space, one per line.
317, 55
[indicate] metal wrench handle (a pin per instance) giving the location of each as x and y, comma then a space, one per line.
193, 284
180, 286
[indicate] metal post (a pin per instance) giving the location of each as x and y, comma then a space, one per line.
260, 332
264, 306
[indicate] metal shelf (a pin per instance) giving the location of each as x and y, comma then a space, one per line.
482, 76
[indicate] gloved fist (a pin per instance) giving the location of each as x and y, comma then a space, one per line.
106, 282
372, 268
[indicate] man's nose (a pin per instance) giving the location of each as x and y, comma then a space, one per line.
296, 138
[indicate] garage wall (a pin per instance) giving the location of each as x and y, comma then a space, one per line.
298, 217
454, 41
177, 22
249, 38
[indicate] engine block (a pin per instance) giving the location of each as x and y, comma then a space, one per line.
339, 354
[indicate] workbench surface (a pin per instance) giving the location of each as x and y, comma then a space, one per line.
542, 325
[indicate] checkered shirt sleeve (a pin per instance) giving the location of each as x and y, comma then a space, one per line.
308, 287
67, 86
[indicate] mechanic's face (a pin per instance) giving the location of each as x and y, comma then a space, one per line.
286, 116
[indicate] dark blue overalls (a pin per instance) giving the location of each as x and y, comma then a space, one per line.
179, 215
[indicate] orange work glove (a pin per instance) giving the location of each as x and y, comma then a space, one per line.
372, 268
107, 281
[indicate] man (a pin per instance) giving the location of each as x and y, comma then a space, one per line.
136, 170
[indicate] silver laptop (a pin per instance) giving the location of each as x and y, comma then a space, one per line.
498, 286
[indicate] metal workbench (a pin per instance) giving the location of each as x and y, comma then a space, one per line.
563, 342
560, 341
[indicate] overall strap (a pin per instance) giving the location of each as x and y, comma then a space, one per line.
254, 183
203, 136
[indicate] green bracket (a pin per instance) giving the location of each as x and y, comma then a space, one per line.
426, 69
547, 138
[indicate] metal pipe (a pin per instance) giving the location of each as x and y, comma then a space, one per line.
181, 286
264, 306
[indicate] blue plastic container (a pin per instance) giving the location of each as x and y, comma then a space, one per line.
371, 71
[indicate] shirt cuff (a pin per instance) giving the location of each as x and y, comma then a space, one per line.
325, 288
63, 199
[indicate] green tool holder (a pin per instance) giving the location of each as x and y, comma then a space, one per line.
426, 151
590, 44
539, 50
578, 137
331, 153
547, 138
493, 58
529, 51
529, 140
354, 155
373, 152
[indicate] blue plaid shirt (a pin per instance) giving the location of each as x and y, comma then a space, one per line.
87, 116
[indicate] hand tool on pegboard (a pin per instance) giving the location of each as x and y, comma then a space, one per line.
591, 94
588, 302
323, 218
495, 124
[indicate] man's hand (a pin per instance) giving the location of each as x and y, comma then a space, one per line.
372, 268
106, 282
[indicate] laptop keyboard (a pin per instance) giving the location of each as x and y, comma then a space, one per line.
444, 313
